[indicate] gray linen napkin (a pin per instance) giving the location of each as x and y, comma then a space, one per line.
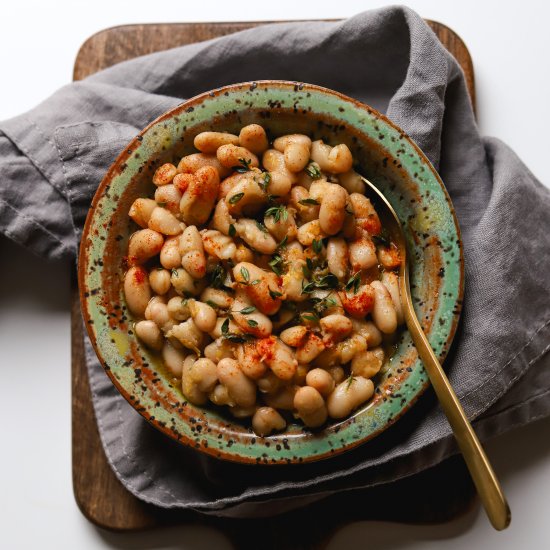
52, 159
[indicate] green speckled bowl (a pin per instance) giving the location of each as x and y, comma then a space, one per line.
385, 155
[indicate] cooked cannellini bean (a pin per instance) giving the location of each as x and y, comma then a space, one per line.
170, 258
358, 304
245, 197
351, 181
204, 316
193, 163
274, 161
267, 420
154, 300
340, 159
310, 349
217, 244
389, 256
192, 252
282, 399
204, 374
258, 239
141, 211
319, 189
296, 156
217, 331
391, 282
294, 281
149, 334
173, 358
335, 327
250, 361
189, 386
279, 184
220, 396
278, 356
332, 301
293, 251
169, 197
350, 346
285, 226
242, 412
137, 290
248, 318
188, 334
183, 282
159, 279
282, 142
219, 349
309, 232
337, 373
321, 380
164, 222
222, 219
208, 142
366, 215
178, 308
294, 336
218, 298
300, 201
320, 152
241, 389
253, 138
367, 363
362, 253
383, 311
233, 155
159, 314
144, 244
261, 286
269, 383
310, 406
333, 209
198, 200
164, 174
337, 257
368, 330
348, 395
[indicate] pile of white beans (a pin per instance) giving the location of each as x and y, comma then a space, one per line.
269, 288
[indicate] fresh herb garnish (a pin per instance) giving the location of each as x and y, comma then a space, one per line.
275, 294
161, 204
232, 230
256, 282
261, 227
350, 381
277, 213
327, 281
225, 327
264, 181
276, 264
217, 277
211, 304
236, 198
313, 171
354, 282
244, 166
309, 201
246, 310
307, 288
174, 272
322, 304
310, 316
282, 244
381, 239
238, 338
349, 210
252, 323
245, 274
317, 246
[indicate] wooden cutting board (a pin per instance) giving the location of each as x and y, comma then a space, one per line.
440, 494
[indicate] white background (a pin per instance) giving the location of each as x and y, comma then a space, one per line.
510, 45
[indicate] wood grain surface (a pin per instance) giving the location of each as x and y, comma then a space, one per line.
98, 493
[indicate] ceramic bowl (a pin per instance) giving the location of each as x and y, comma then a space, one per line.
383, 153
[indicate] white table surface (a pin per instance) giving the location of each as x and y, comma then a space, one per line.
509, 43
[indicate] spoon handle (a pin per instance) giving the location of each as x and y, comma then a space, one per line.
482, 473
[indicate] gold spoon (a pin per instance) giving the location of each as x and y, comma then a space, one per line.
482, 473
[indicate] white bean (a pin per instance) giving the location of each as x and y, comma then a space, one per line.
366, 215
169, 197
159, 279
192, 252
368, 330
340, 159
208, 142
204, 316
193, 163
173, 358
274, 161
362, 253
253, 138
285, 226
282, 399
348, 395
296, 156
294, 281
240, 388
321, 380
267, 420
261, 286
219, 349
158, 312
383, 311
144, 244
164, 174
310, 349
335, 327
222, 219
320, 154
189, 387
217, 244
367, 363
309, 232
220, 396
170, 258
310, 406
299, 201
178, 308
337, 257
282, 142
358, 304
204, 374
245, 197
333, 209
198, 200
351, 181
183, 282
250, 361
164, 222
279, 184
278, 356
137, 290
319, 189
389, 256
232, 155
294, 336
391, 282
188, 334
141, 211
219, 298
259, 240
149, 334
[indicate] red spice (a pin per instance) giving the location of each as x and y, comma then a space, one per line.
266, 348
358, 305
371, 224
140, 275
